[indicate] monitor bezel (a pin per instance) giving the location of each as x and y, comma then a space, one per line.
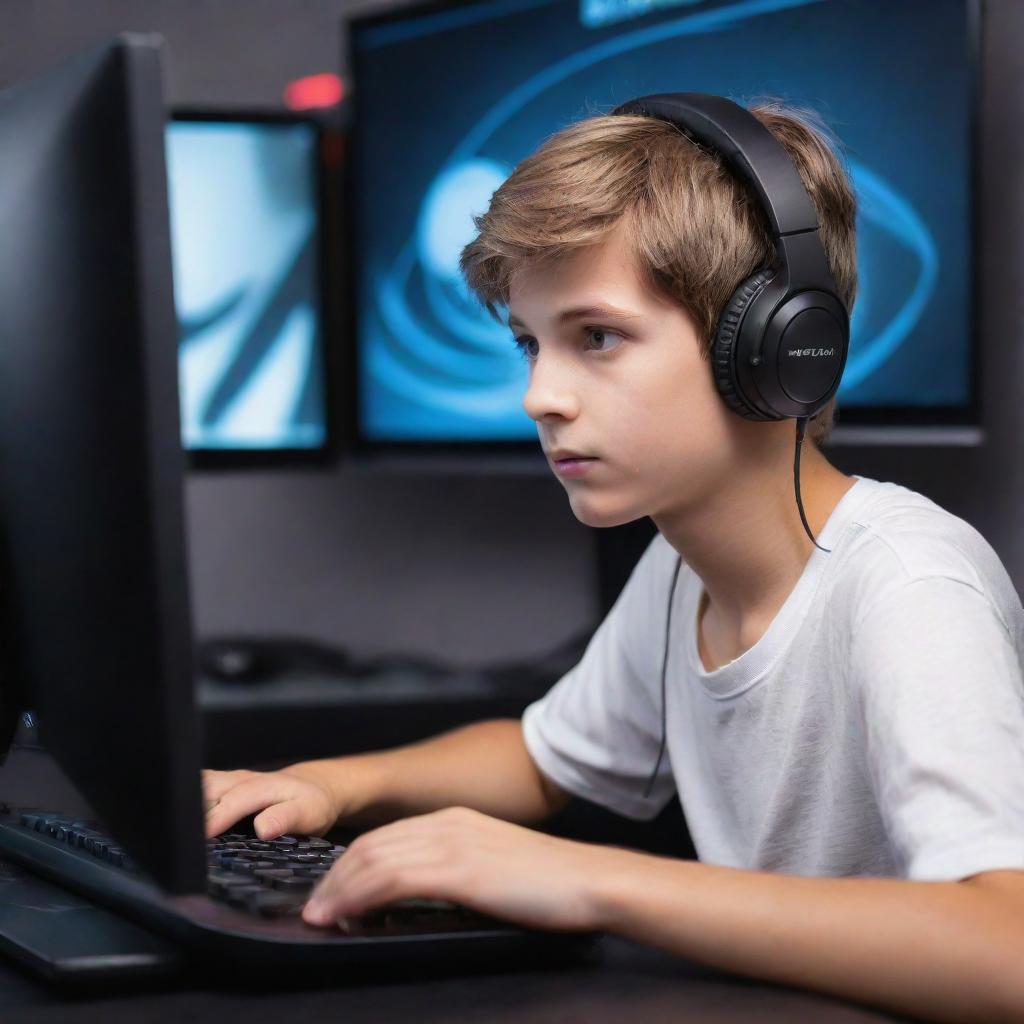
886, 420
326, 454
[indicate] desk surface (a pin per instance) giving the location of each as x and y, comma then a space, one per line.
624, 982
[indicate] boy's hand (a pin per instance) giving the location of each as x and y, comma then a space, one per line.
290, 803
492, 866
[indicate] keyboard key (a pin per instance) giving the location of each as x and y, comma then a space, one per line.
293, 884
311, 872
266, 874
274, 904
239, 894
250, 867
218, 883
276, 856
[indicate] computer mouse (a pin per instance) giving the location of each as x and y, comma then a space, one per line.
260, 659
233, 662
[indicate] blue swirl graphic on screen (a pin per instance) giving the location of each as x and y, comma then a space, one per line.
436, 365
881, 206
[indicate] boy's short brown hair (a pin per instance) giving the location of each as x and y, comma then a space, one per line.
695, 229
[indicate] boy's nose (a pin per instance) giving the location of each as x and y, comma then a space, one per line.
550, 398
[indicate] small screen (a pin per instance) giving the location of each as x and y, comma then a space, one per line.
244, 205
892, 80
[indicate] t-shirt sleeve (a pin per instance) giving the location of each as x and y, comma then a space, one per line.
940, 689
597, 731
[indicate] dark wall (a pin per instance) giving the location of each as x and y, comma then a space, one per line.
488, 566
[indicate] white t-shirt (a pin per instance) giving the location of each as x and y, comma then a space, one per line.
876, 728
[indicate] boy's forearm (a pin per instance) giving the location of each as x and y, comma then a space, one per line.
484, 765
939, 951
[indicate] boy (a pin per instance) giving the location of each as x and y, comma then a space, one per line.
843, 721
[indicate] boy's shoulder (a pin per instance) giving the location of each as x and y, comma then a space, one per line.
899, 536
891, 536
892, 531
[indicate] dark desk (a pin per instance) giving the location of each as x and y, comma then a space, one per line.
623, 983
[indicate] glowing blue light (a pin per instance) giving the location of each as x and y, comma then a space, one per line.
445, 223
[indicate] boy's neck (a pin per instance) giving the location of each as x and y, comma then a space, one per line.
748, 546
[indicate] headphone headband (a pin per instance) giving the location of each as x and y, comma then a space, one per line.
745, 143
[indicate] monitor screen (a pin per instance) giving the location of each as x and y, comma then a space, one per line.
894, 81
245, 231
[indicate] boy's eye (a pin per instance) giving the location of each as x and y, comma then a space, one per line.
600, 332
524, 342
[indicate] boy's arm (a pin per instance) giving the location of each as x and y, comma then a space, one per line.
938, 951
484, 766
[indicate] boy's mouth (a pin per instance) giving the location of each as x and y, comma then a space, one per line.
574, 466
565, 455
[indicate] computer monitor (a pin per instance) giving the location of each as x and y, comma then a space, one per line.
247, 240
93, 590
895, 81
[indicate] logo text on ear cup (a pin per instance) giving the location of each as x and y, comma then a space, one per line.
811, 352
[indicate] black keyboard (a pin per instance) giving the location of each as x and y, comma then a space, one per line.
269, 878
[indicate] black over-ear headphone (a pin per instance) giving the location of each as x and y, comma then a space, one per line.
782, 339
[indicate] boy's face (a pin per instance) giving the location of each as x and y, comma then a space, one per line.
633, 392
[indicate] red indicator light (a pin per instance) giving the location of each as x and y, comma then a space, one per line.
313, 91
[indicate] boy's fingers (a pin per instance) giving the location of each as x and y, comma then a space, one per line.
216, 784
244, 799
276, 820
223, 812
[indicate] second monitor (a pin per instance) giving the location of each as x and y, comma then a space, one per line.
246, 200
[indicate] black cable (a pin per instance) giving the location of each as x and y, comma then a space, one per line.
664, 665
801, 426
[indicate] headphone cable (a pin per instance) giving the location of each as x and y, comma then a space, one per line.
801, 426
664, 666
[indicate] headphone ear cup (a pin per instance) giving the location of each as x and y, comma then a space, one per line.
725, 340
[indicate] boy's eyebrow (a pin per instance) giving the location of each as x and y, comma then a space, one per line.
577, 312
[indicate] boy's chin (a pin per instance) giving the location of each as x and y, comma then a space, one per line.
601, 515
